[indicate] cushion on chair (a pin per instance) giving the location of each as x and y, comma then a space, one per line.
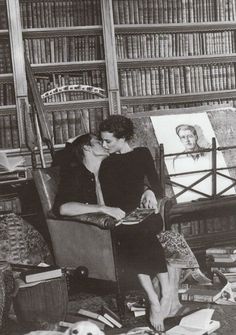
101, 220
20, 242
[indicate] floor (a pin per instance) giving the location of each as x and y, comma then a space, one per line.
225, 314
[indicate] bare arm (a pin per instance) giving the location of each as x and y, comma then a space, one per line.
78, 208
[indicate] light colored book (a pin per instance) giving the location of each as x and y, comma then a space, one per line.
139, 313
95, 316
197, 323
136, 216
221, 250
9, 164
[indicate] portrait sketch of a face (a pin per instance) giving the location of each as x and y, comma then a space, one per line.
186, 136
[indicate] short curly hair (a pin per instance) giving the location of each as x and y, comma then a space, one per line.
119, 125
186, 127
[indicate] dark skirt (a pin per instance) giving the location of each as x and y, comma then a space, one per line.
139, 250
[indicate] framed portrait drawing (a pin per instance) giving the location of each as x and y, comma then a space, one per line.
186, 135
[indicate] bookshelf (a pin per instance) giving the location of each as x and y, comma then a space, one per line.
146, 55
174, 53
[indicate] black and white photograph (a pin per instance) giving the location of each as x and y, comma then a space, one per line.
117, 167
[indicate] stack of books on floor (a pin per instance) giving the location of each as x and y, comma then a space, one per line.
137, 307
105, 318
223, 260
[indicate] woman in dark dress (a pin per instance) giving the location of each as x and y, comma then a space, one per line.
122, 177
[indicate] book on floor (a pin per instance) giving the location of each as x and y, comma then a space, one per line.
136, 216
139, 313
227, 258
197, 323
41, 273
230, 249
111, 316
95, 316
200, 293
9, 164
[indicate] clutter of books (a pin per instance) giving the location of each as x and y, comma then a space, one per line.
221, 263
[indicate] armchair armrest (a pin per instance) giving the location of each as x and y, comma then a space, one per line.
98, 219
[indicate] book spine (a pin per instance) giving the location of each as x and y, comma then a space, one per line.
196, 297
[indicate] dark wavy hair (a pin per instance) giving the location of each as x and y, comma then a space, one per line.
119, 125
79, 143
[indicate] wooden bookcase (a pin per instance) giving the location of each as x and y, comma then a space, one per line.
175, 53
146, 55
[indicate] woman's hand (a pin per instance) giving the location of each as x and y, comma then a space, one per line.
148, 200
115, 212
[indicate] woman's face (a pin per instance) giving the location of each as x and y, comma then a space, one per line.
111, 143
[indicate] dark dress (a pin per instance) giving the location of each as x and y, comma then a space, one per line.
122, 180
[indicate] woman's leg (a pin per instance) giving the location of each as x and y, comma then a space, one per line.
174, 277
155, 316
166, 293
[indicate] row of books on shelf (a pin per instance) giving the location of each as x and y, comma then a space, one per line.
64, 124
95, 78
176, 79
64, 49
205, 226
3, 16
7, 94
153, 45
5, 60
51, 13
9, 136
147, 107
10, 203
68, 124
174, 11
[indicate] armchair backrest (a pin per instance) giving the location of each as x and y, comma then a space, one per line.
46, 181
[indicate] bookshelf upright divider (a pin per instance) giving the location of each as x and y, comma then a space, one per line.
18, 64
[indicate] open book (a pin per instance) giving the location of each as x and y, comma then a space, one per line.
197, 323
9, 164
136, 216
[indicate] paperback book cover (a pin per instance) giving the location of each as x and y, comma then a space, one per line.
41, 273
137, 216
111, 316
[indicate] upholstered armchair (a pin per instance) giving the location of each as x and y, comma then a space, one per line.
75, 243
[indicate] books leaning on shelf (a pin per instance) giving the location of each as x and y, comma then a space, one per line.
9, 164
95, 316
197, 323
111, 316
136, 216
13, 175
41, 273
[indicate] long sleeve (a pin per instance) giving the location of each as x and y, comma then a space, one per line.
151, 173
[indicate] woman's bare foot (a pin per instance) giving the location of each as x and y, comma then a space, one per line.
175, 307
156, 318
